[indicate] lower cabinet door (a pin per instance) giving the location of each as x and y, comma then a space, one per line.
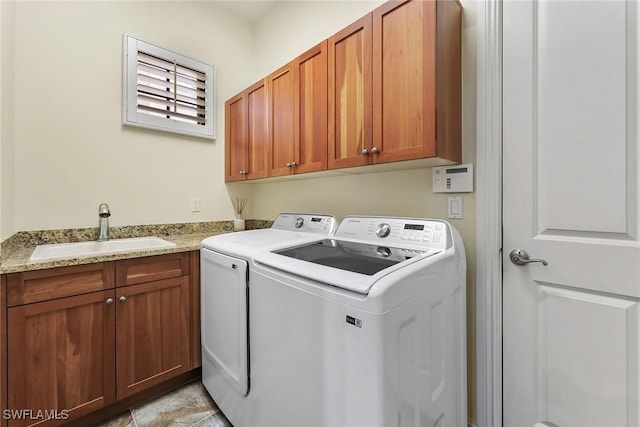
60, 359
152, 334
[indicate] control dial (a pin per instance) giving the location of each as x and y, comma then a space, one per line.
299, 222
383, 230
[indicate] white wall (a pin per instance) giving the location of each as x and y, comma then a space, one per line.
7, 12
71, 151
287, 31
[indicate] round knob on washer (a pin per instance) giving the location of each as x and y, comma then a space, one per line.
383, 230
299, 222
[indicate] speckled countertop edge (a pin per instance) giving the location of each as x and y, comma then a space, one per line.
16, 253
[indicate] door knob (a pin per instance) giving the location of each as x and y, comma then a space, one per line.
374, 150
521, 257
109, 301
122, 299
365, 152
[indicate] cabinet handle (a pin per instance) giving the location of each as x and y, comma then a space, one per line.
122, 299
374, 150
109, 301
294, 164
288, 164
365, 152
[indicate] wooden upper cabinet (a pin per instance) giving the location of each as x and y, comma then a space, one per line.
257, 132
281, 120
235, 110
61, 356
310, 77
416, 80
350, 95
384, 89
247, 144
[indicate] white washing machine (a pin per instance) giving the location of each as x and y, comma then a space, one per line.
363, 328
225, 293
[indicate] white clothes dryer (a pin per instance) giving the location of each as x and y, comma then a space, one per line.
225, 262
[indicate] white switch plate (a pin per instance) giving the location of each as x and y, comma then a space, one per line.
195, 204
455, 207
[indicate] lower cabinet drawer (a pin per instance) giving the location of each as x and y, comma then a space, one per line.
140, 270
42, 285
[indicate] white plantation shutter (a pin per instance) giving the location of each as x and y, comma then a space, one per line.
167, 91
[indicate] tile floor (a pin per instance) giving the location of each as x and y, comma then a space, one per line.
187, 406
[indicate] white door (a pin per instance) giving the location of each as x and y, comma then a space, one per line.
572, 328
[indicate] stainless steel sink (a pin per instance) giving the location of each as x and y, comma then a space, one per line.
94, 248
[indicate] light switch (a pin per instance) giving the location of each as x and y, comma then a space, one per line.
455, 207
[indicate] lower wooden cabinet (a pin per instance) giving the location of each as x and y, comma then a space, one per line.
68, 356
61, 356
152, 334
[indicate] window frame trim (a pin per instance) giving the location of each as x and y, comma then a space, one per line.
130, 116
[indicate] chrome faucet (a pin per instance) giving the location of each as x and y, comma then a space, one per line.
103, 222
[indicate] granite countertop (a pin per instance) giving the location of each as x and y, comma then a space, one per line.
187, 237
19, 261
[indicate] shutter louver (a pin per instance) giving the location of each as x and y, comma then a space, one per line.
171, 90
166, 91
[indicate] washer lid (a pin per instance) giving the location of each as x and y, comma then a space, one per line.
359, 258
354, 266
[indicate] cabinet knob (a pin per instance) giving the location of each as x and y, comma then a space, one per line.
288, 164
122, 298
109, 301
294, 164
365, 152
374, 150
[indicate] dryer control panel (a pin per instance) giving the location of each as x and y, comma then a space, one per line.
398, 232
306, 223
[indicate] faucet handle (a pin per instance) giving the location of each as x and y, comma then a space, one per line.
103, 211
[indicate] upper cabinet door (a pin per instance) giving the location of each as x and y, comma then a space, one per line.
350, 95
258, 137
310, 76
236, 138
281, 121
408, 88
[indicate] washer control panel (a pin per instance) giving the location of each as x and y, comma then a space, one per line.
307, 223
400, 232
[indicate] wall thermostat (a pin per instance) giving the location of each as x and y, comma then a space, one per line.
453, 179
